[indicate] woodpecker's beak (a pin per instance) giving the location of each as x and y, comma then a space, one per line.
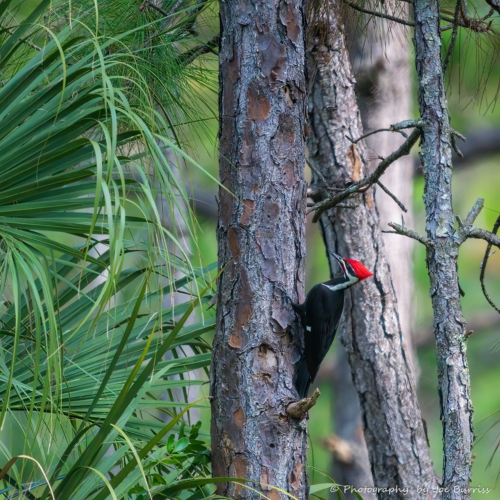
340, 260
338, 257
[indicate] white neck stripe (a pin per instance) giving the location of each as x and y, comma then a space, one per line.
342, 286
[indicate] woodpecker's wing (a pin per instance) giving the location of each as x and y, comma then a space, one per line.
302, 377
323, 312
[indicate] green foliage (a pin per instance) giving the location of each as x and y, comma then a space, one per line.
162, 36
93, 363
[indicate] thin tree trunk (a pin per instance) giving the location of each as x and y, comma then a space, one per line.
371, 331
442, 254
381, 64
261, 236
383, 74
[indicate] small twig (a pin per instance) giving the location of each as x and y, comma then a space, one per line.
403, 230
393, 196
379, 14
317, 172
396, 127
355, 141
298, 410
463, 231
407, 124
368, 181
477, 25
24, 40
483, 267
482, 234
474, 212
453, 38
459, 135
153, 6
455, 147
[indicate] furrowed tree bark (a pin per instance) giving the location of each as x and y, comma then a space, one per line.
371, 330
381, 66
383, 75
442, 254
261, 237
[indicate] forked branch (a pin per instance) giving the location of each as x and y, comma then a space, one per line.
404, 231
371, 179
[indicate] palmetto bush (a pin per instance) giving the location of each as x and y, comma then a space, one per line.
86, 388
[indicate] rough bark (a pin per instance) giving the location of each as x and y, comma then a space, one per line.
442, 254
371, 331
381, 66
261, 237
383, 74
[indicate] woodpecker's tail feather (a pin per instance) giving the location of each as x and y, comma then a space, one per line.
302, 378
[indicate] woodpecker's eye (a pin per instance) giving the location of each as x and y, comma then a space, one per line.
349, 269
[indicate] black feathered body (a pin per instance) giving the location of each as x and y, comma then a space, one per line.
320, 315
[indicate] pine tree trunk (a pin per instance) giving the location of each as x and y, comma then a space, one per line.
442, 255
371, 330
261, 237
381, 63
382, 68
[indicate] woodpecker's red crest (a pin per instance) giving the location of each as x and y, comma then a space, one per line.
361, 271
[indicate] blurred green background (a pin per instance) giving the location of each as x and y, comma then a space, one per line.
473, 90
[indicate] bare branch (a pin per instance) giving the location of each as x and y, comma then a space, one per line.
478, 25
355, 141
393, 196
474, 212
463, 231
482, 234
452, 41
24, 40
455, 147
298, 410
404, 231
407, 124
317, 172
454, 133
483, 267
403, 150
153, 6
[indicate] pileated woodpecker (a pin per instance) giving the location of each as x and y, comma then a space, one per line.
320, 315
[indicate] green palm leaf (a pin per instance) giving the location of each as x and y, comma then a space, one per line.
84, 272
